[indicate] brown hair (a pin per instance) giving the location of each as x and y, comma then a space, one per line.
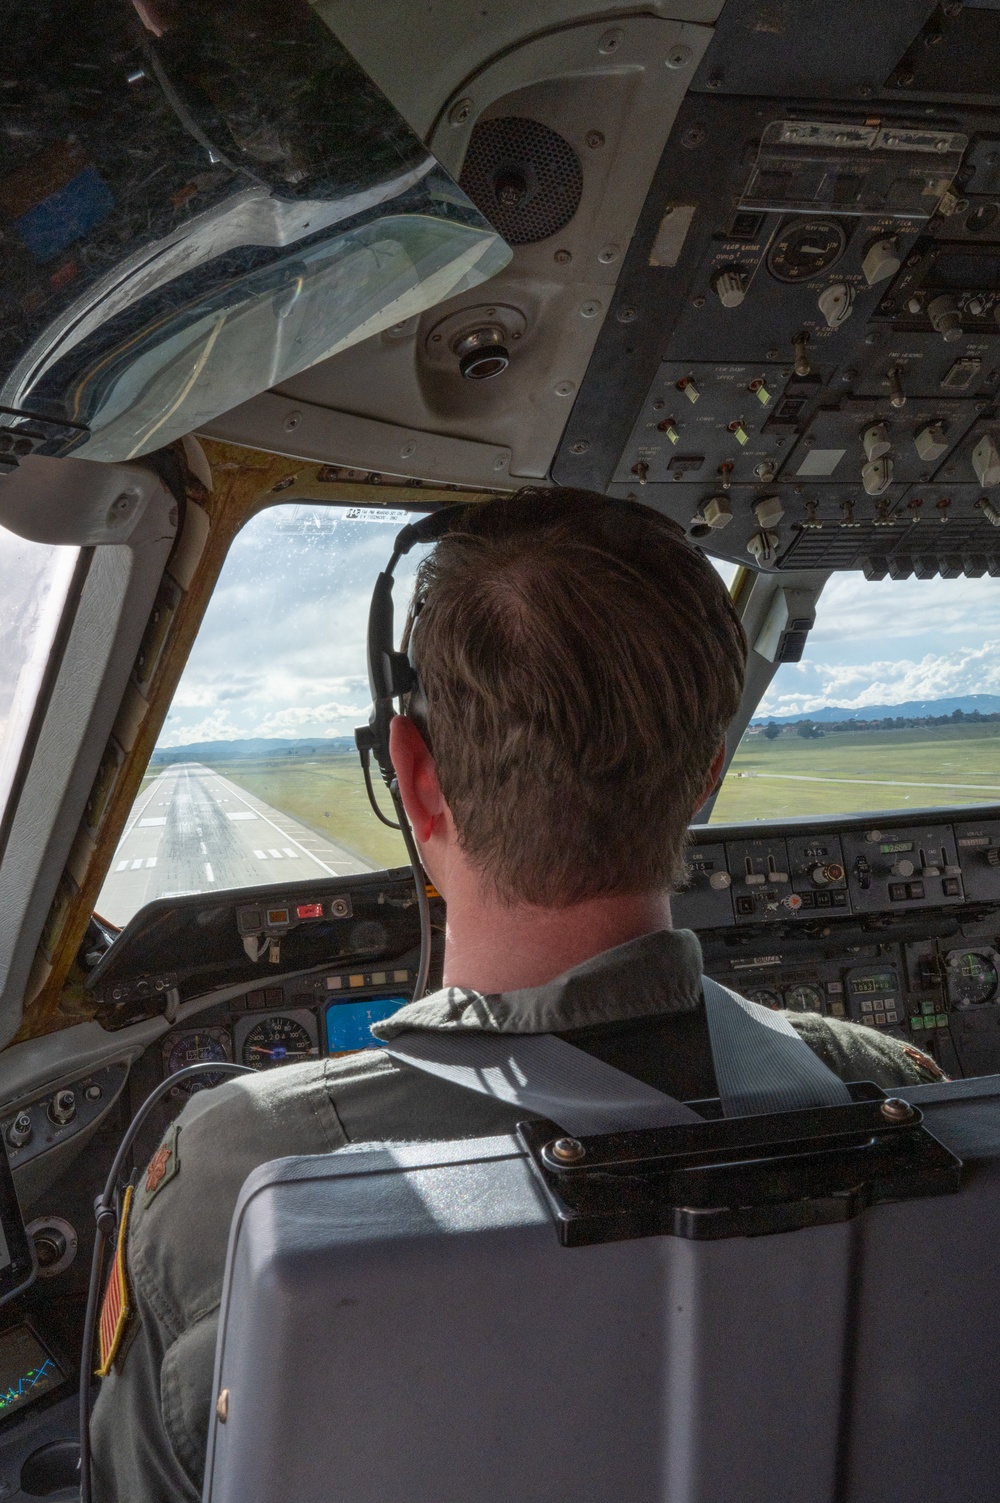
580, 663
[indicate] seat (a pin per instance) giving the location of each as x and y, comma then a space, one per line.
403, 1323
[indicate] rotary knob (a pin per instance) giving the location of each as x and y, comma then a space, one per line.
881, 261
62, 1108
931, 442
20, 1130
876, 476
827, 871
720, 881
902, 868
986, 461
945, 318
876, 441
729, 287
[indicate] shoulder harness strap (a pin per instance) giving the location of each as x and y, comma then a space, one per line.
761, 1064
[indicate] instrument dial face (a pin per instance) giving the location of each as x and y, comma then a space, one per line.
277, 1041
195, 1048
972, 978
805, 248
804, 998
763, 995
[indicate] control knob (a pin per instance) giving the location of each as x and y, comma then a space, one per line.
881, 260
827, 871
836, 303
62, 1108
876, 476
992, 856
931, 442
876, 441
20, 1130
769, 511
986, 461
729, 287
902, 868
945, 317
721, 880
716, 512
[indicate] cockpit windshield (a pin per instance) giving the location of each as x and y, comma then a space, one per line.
35, 580
895, 705
255, 778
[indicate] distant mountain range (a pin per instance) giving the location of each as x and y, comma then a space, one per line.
253, 747
986, 704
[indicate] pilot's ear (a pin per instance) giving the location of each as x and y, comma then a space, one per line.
416, 775
713, 781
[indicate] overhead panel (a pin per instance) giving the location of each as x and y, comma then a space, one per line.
802, 360
556, 142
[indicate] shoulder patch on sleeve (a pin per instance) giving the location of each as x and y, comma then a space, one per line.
164, 1165
924, 1062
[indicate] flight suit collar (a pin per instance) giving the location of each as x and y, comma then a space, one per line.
656, 974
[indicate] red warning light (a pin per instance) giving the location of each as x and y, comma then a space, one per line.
309, 910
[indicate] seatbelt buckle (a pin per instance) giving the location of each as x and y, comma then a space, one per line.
739, 1176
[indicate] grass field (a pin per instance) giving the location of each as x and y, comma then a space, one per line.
856, 771
841, 773
325, 793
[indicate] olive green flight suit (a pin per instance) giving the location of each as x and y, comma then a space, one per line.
639, 1007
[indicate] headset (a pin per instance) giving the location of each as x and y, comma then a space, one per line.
391, 676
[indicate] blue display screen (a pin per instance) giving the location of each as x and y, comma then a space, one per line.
347, 1023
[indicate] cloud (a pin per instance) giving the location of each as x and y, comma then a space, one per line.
968, 670
212, 728
294, 720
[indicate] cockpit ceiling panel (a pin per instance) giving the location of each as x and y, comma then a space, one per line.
802, 361
230, 206
557, 141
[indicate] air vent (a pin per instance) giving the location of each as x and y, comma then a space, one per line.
523, 176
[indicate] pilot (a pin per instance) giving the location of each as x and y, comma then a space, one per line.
580, 664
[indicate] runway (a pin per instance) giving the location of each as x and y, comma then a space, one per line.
194, 831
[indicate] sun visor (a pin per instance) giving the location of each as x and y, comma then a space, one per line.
198, 199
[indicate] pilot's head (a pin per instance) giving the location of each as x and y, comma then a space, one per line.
579, 664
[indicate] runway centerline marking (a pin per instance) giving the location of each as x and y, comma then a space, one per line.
283, 833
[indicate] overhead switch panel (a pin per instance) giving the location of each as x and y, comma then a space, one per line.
986, 461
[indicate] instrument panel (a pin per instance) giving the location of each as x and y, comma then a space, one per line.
879, 920
286, 1024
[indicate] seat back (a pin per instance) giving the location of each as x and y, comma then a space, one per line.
403, 1323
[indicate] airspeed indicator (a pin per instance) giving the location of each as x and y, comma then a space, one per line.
277, 1041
